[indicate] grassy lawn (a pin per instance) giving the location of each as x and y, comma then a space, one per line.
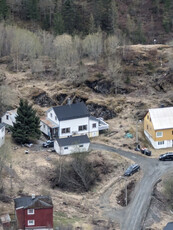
61, 219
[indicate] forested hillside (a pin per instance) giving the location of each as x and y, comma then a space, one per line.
140, 21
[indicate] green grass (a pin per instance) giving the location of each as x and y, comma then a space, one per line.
61, 219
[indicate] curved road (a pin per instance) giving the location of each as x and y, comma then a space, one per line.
132, 217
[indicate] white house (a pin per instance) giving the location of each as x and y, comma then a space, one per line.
71, 120
9, 117
72, 144
2, 134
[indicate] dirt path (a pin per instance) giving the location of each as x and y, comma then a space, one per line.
133, 216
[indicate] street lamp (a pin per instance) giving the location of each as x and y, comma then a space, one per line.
137, 140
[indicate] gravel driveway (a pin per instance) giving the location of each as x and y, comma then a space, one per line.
132, 217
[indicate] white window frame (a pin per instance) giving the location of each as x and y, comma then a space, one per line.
31, 224
160, 142
65, 130
159, 134
30, 211
7, 117
82, 128
94, 125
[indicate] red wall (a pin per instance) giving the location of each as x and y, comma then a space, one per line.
42, 217
20, 213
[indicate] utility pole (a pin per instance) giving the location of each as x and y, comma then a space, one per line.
137, 140
126, 194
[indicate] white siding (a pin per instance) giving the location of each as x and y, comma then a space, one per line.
44, 128
57, 147
93, 132
11, 119
52, 116
2, 136
156, 145
71, 149
74, 126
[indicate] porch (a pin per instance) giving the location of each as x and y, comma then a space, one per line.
102, 124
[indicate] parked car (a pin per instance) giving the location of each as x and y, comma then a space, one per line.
132, 169
166, 157
48, 143
144, 151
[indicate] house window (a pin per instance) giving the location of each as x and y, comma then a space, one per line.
147, 126
31, 222
65, 147
2, 129
44, 126
7, 117
159, 134
172, 132
80, 146
160, 142
65, 130
55, 118
82, 127
30, 211
148, 117
50, 114
94, 125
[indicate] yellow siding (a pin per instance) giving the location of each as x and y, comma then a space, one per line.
167, 135
148, 127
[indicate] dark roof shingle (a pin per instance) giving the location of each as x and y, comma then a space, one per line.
36, 203
72, 111
73, 140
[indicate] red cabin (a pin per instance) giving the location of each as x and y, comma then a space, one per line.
34, 212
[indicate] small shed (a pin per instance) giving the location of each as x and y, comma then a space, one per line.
72, 144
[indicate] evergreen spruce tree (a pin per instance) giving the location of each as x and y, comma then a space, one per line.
3, 9
27, 126
58, 24
69, 14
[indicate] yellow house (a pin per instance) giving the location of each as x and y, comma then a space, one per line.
158, 127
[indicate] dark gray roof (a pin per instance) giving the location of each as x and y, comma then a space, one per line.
169, 226
2, 125
72, 111
73, 140
37, 202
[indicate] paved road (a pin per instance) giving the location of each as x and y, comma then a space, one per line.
132, 217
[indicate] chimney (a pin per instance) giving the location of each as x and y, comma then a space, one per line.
68, 101
33, 196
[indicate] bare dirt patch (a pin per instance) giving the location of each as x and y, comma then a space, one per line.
123, 198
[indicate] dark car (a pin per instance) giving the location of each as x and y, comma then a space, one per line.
146, 151
48, 143
166, 157
132, 169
